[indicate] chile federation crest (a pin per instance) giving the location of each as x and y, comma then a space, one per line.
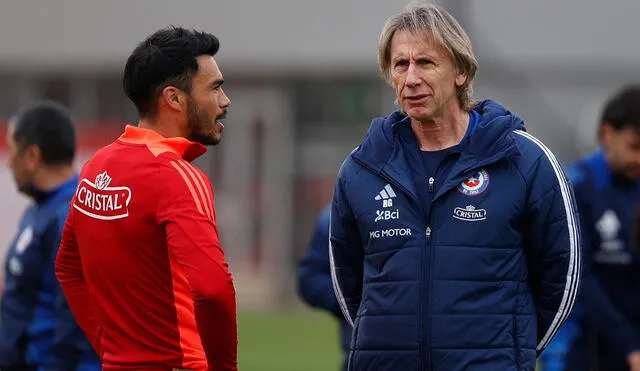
475, 184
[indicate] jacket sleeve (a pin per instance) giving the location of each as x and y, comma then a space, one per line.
186, 213
552, 245
346, 253
74, 286
314, 276
598, 309
69, 344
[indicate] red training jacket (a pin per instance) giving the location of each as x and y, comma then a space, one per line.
140, 261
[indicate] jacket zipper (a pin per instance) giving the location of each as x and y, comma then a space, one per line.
426, 339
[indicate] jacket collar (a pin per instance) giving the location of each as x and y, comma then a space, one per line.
492, 140
159, 144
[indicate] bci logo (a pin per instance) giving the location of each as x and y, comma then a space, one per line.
386, 215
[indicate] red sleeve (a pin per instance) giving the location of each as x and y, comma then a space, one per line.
70, 275
186, 211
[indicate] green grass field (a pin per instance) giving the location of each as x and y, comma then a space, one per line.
301, 340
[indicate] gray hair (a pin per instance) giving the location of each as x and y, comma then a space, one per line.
419, 17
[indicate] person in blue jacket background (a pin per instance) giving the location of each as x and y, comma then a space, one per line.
455, 241
37, 329
314, 278
604, 334
555, 356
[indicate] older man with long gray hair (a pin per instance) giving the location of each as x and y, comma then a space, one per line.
454, 235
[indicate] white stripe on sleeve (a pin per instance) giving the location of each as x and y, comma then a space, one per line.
334, 279
573, 273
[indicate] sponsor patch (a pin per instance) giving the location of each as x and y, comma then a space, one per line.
99, 201
469, 214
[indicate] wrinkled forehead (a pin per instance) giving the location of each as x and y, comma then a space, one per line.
420, 41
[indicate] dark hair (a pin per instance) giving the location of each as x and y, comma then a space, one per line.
49, 126
166, 58
623, 109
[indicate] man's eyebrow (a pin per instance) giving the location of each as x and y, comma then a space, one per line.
217, 83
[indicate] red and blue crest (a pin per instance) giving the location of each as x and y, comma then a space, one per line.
475, 184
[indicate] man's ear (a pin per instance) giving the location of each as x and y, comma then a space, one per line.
32, 156
173, 98
604, 133
461, 78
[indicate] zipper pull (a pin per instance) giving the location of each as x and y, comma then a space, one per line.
431, 181
427, 232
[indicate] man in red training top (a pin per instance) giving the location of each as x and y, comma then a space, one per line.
140, 260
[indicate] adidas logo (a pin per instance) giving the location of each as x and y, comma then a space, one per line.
386, 195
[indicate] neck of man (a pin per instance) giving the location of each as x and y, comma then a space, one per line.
446, 129
51, 177
166, 126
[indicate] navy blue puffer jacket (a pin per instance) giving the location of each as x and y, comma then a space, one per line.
480, 278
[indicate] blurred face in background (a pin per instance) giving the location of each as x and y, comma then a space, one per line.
622, 149
23, 162
423, 75
207, 103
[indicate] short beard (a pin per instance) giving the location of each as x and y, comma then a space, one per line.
195, 122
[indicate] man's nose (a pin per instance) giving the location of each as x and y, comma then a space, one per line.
225, 101
413, 75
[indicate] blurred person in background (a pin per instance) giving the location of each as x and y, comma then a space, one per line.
603, 333
454, 235
142, 241
38, 331
314, 279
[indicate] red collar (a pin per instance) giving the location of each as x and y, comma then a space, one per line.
158, 144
